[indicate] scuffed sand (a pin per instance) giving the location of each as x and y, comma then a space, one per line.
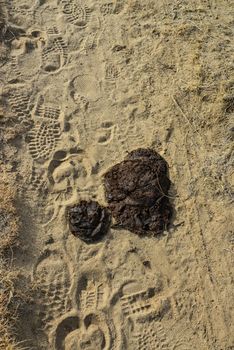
82, 84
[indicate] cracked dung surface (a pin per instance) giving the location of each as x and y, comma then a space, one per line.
136, 190
88, 221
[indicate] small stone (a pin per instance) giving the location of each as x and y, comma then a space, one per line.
50, 240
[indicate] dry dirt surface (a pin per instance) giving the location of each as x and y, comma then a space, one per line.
82, 84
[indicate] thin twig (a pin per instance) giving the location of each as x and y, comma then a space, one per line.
181, 111
161, 190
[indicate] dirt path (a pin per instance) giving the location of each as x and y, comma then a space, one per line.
83, 83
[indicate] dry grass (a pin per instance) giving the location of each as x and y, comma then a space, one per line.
10, 297
9, 222
8, 312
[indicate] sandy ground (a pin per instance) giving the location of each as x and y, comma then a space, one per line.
82, 84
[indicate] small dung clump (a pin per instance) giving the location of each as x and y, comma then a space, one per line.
88, 220
136, 191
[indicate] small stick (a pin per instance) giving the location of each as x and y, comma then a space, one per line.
181, 111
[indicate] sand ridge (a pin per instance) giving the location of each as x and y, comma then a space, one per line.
85, 83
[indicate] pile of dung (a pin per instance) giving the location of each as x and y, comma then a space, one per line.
88, 220
137, 192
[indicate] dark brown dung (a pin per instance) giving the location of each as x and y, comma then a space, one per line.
137, 192
88, 220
